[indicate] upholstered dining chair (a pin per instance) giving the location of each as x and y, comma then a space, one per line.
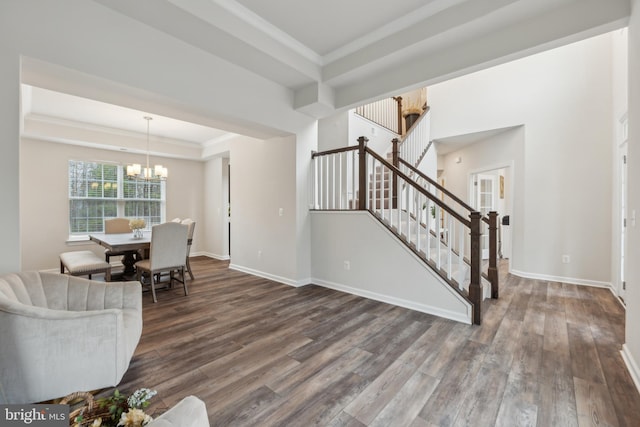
168, 252
115, 226
192, 226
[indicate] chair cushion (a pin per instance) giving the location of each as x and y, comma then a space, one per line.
78, 262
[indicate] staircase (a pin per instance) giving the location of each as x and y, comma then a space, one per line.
436, 225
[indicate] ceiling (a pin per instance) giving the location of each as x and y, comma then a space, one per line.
337, 54
47, 103
458, 142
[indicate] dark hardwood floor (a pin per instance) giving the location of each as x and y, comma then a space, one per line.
262, 353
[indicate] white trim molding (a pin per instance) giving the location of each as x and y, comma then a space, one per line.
210, 255
275, 278
424, 308
571, 280
631, 364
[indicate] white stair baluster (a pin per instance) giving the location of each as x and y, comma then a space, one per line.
438, 248
461, 266
448, 243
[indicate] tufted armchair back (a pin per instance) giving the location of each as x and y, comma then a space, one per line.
61, 334
64, 292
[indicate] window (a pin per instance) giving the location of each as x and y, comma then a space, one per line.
98, 191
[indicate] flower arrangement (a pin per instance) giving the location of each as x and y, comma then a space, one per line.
137, 224
118, 410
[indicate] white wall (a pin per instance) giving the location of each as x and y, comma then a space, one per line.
564, 99
44, 198
306, 142
216, 221
379, 137
393, 275
263, 181
631, 349
333, 131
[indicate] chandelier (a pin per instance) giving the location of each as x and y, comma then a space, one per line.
136, 170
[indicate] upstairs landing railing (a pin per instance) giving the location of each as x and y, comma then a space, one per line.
357, 178
385, 112
414, 144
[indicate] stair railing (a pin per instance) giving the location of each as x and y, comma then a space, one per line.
491, 219
414, 144
385, 112
357, 178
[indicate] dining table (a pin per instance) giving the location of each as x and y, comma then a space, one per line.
127, 244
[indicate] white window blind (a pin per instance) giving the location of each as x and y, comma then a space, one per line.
98, 191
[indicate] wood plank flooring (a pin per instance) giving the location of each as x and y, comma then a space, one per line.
261, 353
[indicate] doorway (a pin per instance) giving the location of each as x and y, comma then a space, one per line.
489, 191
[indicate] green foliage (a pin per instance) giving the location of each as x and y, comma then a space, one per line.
116, 405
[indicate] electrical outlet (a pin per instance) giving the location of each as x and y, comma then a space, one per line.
566, 259
259, 254
281, 211
347, 265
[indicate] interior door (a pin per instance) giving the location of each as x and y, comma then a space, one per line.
485, 201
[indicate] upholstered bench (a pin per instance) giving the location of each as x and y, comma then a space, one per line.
84, 263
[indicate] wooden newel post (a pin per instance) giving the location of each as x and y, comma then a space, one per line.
399, 101
493, 254
475, 287
362, 175
395, 151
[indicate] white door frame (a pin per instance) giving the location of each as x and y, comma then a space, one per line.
622, 215
509, 176
477, 201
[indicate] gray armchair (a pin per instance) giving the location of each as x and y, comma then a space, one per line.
62, 334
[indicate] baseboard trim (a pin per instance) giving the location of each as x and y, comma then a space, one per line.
631, 364
571, 280
275, 278
211, 255
396, 301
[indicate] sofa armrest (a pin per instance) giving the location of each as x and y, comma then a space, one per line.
189, 412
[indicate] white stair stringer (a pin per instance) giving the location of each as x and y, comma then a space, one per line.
358, 254
463, 278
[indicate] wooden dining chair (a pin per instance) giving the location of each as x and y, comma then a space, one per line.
168, 253
192, 225
115, 226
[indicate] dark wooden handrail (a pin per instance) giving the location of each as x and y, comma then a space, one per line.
409, 181
315, 154
435, 184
